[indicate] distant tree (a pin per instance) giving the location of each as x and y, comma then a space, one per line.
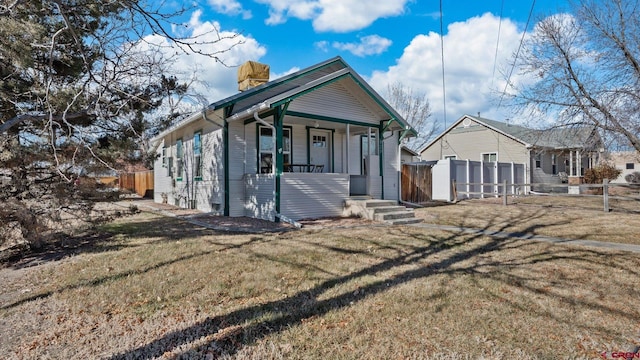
415, 109
78, 81
584, 68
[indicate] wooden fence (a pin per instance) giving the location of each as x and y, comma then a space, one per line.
139, 182
416, 183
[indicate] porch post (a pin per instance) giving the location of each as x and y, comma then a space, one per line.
571, 173
279, 156
347, 149
225, 159
579, 162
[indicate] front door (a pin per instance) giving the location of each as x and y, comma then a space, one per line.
319, 153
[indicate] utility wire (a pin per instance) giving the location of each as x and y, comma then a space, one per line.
444, 93
533, 3
495, 57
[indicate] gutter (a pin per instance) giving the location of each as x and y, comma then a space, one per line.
204, 116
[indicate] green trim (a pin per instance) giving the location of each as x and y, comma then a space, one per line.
308, 145
328, 118
180, 158
275, 83
381, 159
225, 138
306, 91
333, 152
404, 133
252, 119
198, 178
287, 127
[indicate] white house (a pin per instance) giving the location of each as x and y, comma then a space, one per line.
295, 147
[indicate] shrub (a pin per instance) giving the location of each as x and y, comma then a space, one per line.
601, 172
633, 178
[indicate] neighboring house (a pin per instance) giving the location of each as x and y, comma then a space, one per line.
626, 161
550, 156
408, 156
292, 148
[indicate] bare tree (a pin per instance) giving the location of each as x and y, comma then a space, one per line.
78, 82
584, 68
415, 109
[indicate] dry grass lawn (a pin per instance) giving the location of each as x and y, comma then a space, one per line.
154, 287
558, 216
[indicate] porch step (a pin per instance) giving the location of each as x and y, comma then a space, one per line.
387, 211
405, 221
393, 215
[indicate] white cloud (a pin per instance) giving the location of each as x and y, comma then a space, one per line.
215, 79
230, 7
469, 53
333, 15
368, 45
322, 46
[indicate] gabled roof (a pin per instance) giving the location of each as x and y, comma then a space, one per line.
575, 137
276, 92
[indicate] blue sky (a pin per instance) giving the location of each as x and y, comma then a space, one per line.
385, 41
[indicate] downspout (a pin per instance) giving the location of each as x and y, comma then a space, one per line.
273, 155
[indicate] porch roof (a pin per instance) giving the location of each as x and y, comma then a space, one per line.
322, 79
317, 78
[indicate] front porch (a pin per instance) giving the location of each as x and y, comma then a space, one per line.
304, 195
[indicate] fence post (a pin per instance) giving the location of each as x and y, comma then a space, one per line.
504, 193
605, 194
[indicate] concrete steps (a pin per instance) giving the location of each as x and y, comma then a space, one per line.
387, 211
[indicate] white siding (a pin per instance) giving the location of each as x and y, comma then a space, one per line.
236, 168
471, 142
309, 195
391, 167
258, 202
334, 101
205, 194
375, 186
355, 155
299, 144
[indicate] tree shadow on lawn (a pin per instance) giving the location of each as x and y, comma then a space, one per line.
157, 230
448, 254
111, 237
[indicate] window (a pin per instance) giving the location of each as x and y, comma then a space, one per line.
319, 141
179, 159
197, 155
164, 157
538, 161
630, 166
166, 161
554, 164
490, 157
266, 146
364, 143
450, 157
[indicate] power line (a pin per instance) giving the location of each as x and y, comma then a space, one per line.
444, 93
533, 3
495, 57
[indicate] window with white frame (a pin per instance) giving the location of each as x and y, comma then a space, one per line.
266, 147
179, 159
538, 160
197, 155
490, 157
450, 157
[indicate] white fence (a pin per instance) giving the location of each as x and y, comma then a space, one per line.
476, 179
